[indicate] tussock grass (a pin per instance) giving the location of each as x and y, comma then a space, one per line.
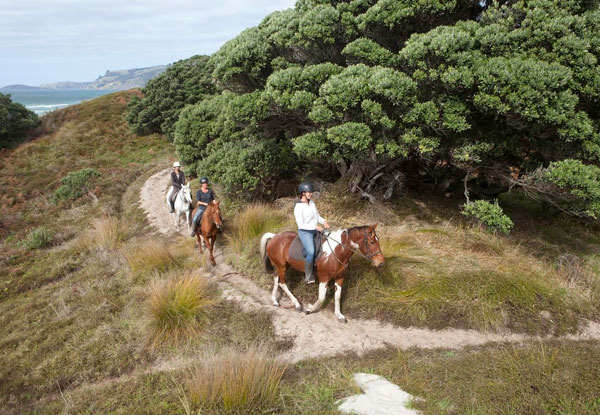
252, 222
237, 381
179, 307
150, 257
109, 233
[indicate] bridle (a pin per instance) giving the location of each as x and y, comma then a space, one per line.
365, 241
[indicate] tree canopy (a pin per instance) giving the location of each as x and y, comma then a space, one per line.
15, 120
185, 82
491, 94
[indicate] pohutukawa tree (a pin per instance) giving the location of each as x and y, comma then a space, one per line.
485, 95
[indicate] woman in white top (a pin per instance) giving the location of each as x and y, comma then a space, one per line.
309, 222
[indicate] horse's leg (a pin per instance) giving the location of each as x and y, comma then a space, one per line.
210, 246
187, 218
174, 214
275, 291
338, 296
317, 306
199, 239
281, 273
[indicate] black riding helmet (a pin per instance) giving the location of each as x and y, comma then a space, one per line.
305, 187
203, 180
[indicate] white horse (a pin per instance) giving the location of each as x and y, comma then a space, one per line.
182, 204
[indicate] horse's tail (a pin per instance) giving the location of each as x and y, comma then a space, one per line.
263, 251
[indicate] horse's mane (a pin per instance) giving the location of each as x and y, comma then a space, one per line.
357, 228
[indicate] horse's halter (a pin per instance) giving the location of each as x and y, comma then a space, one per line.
365, 241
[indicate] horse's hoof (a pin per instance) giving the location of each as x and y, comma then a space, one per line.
275, 304
343, 320
299, 309
307, 311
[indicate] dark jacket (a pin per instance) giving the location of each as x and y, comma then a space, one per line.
176, 181
205, 197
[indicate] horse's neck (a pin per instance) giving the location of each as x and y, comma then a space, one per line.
207, 215
345, 250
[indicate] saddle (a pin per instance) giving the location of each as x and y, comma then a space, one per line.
174, 194
297, 251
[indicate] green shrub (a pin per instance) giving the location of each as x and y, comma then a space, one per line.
580, 183
489, 214
15, 120
38, 238
76, 184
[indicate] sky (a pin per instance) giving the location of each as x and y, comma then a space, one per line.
44, 41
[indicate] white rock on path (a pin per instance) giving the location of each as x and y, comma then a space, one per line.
380, 398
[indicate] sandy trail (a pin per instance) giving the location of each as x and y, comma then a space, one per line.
320, 334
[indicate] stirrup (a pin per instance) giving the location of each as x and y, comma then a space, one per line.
309, 279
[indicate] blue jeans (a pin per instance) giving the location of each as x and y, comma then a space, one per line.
198, 215
308, 242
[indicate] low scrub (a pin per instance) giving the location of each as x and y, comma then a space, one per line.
179, 307
76, 184
38, 238
491, 215
151, 256
247, 382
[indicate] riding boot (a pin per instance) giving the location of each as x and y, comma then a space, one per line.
193, 229
309, 278
172, 207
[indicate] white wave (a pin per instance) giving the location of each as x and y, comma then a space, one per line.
47, 106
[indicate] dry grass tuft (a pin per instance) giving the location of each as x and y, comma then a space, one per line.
179, 307
252, 222
109, 233
152, 256
249, 381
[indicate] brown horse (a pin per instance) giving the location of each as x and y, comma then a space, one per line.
209, 227
337, 251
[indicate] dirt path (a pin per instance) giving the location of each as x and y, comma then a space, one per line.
321, 334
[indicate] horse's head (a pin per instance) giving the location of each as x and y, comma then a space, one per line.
186, 193
365, 239
214, 210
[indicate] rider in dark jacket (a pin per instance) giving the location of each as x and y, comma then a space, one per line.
204, 196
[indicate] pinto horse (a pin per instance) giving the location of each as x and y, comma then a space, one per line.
338, 248
209, 227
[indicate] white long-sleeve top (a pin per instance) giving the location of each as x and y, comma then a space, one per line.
307, 216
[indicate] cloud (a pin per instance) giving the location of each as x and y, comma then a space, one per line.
115, 34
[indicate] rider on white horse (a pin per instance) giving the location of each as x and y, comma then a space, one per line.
177, 180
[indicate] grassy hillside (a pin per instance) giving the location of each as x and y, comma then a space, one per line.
98, 314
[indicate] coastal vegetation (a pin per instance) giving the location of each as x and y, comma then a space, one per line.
15, 121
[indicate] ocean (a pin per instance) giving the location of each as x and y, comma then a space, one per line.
43, 101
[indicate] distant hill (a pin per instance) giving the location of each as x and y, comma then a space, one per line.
121, 79
19, 87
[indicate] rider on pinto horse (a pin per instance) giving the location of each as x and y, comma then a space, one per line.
309, 222
204, 196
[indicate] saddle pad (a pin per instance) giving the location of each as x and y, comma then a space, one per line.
298, 252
